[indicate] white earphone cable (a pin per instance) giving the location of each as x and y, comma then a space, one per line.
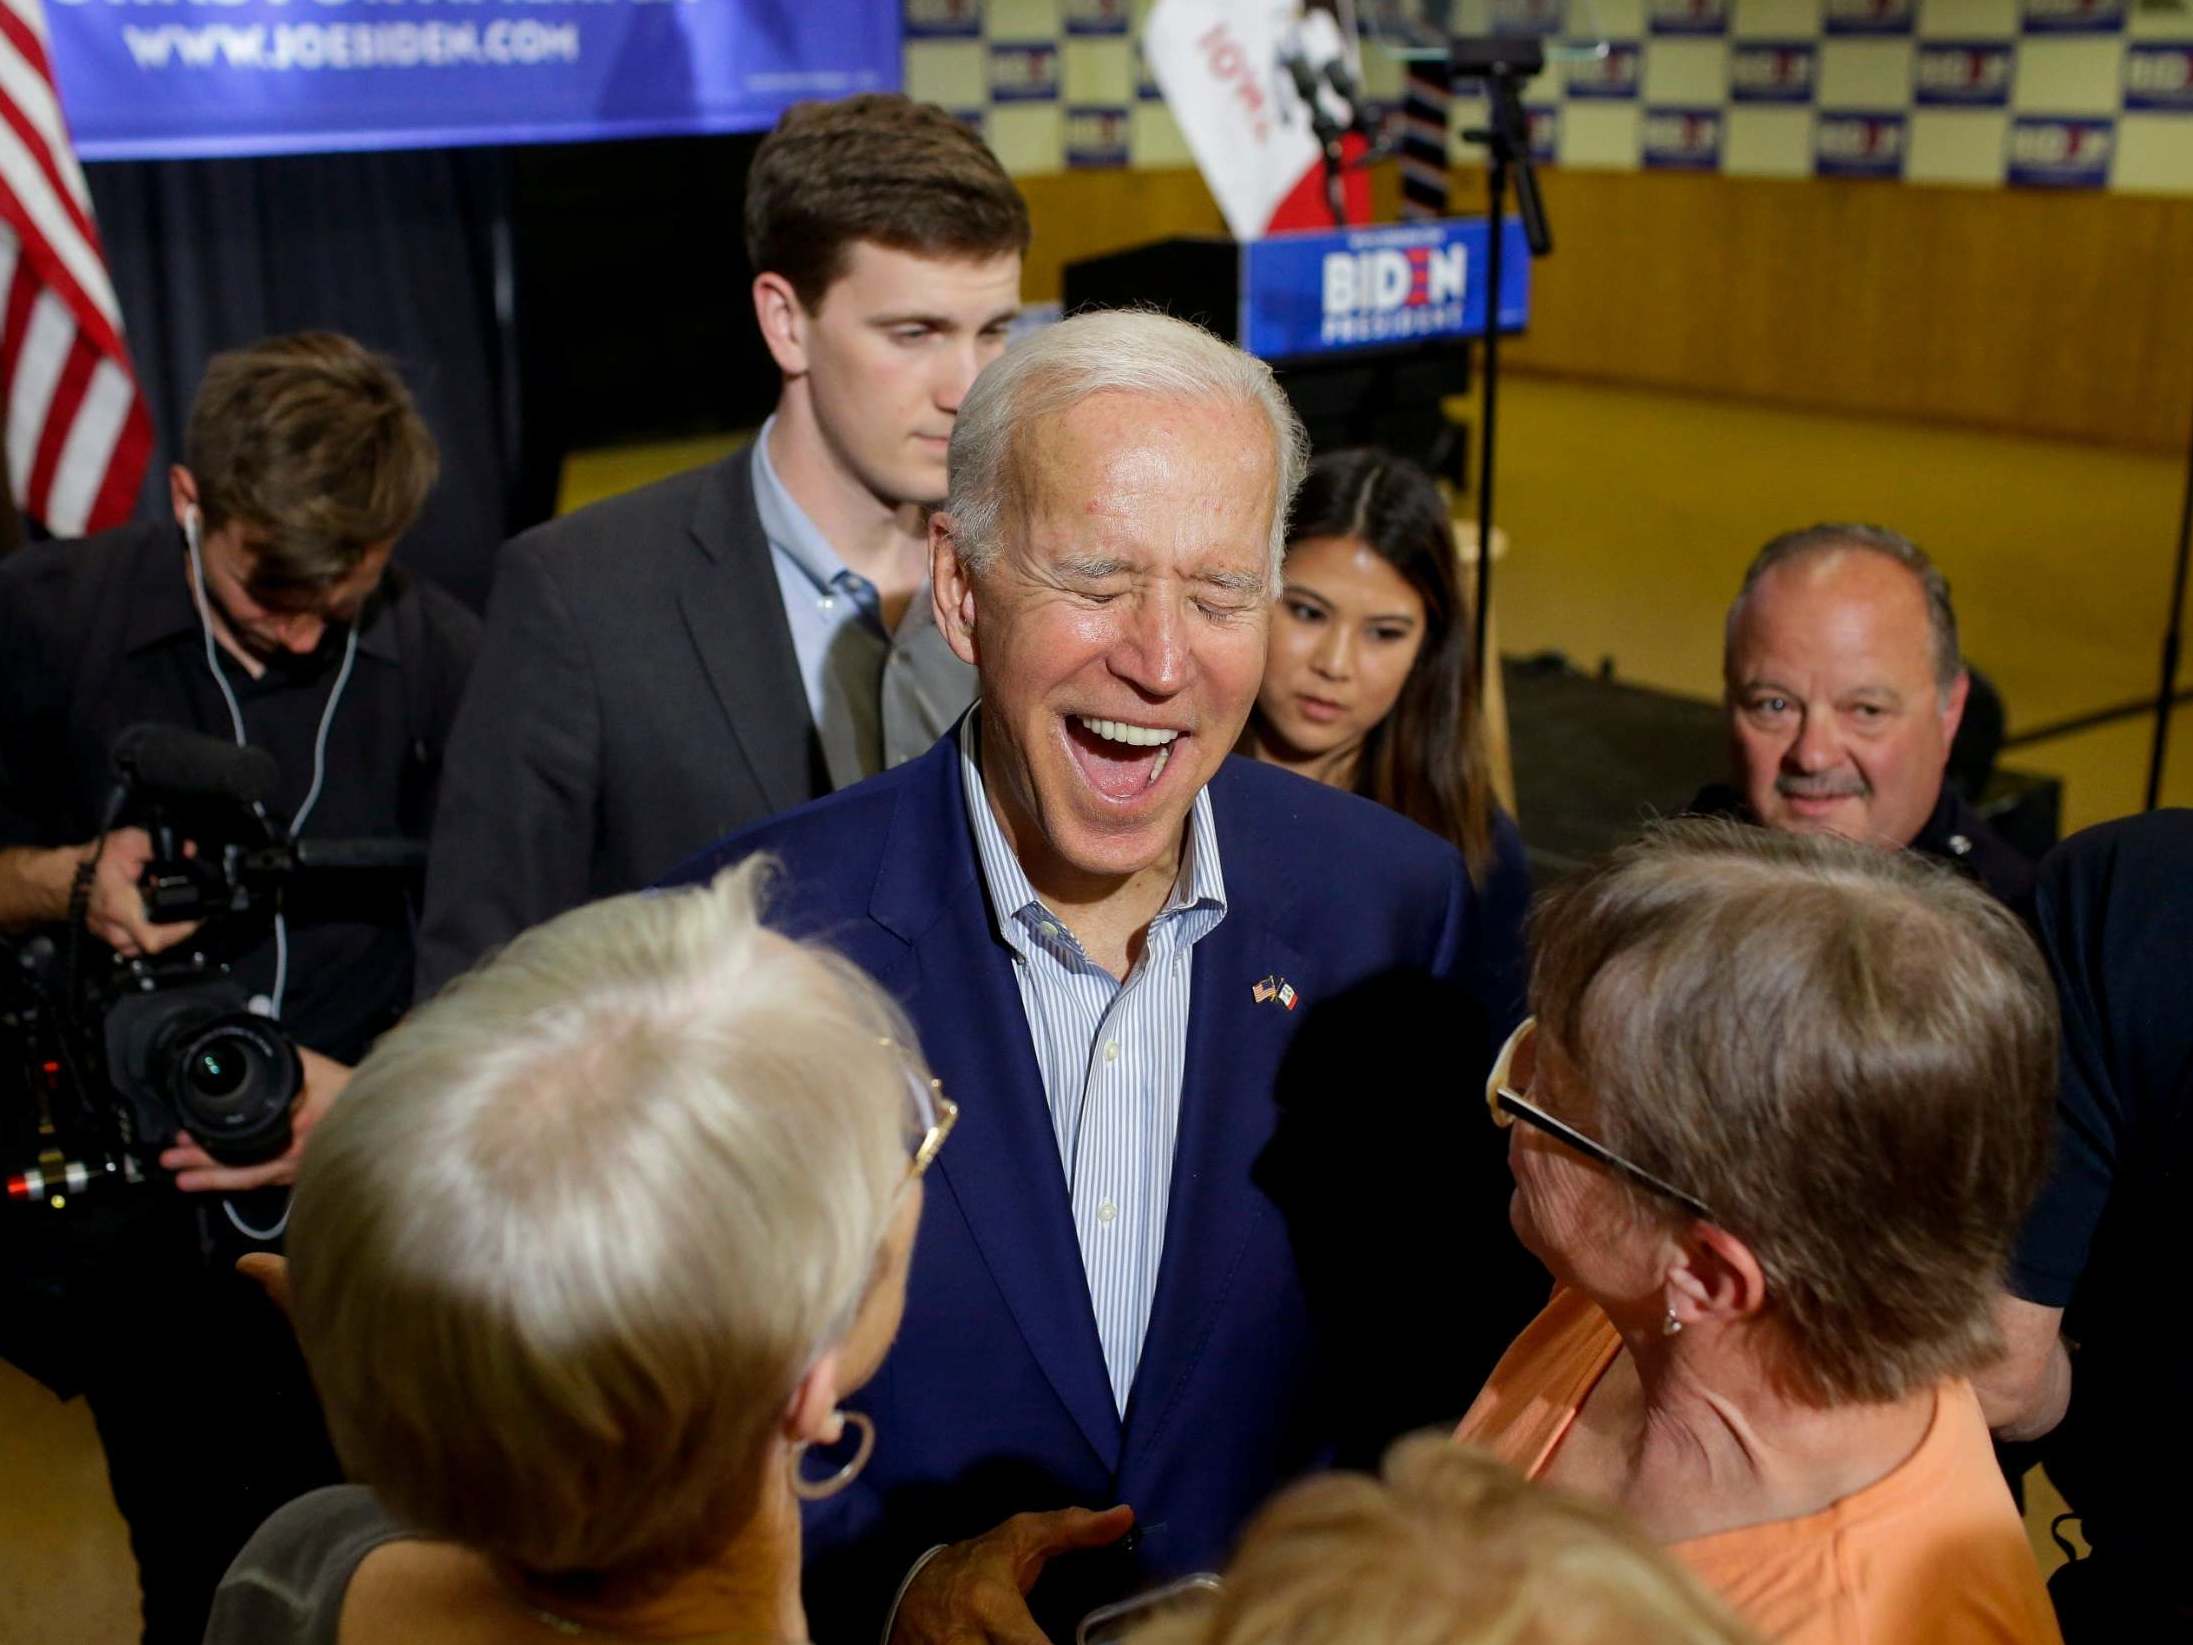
312, 795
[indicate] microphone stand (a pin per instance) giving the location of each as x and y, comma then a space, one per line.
1327, 133
1503, 64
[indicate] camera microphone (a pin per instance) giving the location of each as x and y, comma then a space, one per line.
175, 761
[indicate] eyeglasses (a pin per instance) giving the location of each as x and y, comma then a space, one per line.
1508, 1105
930, 1113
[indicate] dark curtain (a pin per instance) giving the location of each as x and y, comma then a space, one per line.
406, 251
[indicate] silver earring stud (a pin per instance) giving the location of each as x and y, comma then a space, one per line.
1671, 1326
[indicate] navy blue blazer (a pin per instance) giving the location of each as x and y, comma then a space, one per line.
1316, 1146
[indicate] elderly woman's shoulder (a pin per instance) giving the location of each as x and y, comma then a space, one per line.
288, 1583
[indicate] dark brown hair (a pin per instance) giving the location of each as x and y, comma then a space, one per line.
1849, 1053
1426, 759
877, 167
311, 443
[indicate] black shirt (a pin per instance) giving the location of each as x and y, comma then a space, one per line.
1955, 833
103, 634
2106, 1239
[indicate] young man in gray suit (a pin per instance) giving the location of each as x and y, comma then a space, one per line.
671, 665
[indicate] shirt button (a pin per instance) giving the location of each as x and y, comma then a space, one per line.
827, 603
1111, 1050
1106, 1212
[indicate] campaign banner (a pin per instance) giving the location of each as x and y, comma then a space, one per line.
1023, 71
1867, 16
2158, 75
2072, 16
2048, 152
1963, 73
1852, 143
1614, 77
1096, 136
1096, 16
1688, 16
1518, 17
1678, 139
1544, 121
943, 19
233, 77
1773, 71
1329, 291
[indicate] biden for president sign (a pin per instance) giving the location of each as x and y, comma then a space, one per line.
1331, 291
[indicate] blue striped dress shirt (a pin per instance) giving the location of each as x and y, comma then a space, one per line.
1112, 1056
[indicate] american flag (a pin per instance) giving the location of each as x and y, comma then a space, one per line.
77, 436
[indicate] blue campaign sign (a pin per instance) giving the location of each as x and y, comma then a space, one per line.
158, 79
1327, 291
1971, 73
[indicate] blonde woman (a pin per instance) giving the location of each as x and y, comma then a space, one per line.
1447, 1548
583, 1262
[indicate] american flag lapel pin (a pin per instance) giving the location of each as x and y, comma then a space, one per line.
1262, 991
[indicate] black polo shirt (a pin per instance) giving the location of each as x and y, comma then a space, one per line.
102, 634
1955, 833
2106, 1239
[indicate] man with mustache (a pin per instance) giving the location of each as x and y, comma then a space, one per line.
1844, 689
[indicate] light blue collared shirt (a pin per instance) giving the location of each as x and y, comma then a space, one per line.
1112, 1056
876, 697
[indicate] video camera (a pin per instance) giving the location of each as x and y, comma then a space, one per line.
114, 1058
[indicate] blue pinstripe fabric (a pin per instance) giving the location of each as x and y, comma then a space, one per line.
1112, 1055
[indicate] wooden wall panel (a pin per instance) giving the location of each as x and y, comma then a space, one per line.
2051, 313
2054, 313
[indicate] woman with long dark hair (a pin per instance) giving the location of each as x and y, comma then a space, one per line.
1370, 685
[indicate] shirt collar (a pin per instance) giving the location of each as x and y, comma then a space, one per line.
1201, 883
163, 609
790, 532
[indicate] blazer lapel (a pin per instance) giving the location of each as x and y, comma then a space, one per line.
735, 615
1227, 1113
1001, 1168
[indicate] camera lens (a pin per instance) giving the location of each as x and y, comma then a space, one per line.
218, 1070
234, 1078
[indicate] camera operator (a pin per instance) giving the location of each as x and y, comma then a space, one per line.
264, 613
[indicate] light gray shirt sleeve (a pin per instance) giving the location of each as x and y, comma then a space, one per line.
287, 1586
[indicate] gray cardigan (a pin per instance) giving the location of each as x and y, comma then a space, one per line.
287, 1586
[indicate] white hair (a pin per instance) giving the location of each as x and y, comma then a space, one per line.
1106, 351
566, 1246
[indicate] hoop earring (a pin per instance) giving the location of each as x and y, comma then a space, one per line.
814, 1490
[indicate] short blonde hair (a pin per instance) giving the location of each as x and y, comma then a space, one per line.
1848, 1053
1448, 1548
579, 1225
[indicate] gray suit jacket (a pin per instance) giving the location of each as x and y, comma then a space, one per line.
636, 697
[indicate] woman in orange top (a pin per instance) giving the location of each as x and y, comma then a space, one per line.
1784, 1103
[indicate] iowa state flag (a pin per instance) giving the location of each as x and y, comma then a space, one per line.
1219, 64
